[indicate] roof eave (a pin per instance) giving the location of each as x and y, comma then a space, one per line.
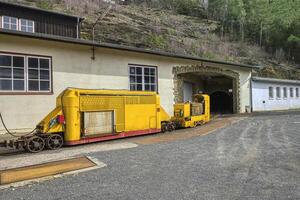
115, 46
275, 80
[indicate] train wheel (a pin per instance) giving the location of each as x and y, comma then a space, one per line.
171, 126
35, 144
54, 141
163, 127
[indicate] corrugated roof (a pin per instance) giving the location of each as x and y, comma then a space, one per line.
275, 80
115, 46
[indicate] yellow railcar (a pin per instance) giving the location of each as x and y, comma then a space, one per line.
85, 116
194, 113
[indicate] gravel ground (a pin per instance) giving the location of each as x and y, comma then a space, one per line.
257, 158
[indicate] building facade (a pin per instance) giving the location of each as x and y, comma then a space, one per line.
36, 67
275, 94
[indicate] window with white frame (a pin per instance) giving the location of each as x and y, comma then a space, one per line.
297, 92
14, 23
26, 25
291, 92
142, 78
271, 93
20, 73
285, 92
278, 92
10, 23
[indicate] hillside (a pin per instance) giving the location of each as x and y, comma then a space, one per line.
159, 29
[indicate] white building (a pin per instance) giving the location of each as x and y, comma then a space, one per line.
275, 94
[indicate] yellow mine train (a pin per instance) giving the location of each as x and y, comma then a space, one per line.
86, 116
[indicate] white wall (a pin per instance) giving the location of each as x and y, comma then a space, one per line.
260, 94
73, 67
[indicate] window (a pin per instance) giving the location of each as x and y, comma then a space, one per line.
13, 23
297, 92
24, 73
26, 25
10, 23
142, 78
278, 93
12, 73
271, 93
285, 92
291, 92
38, 74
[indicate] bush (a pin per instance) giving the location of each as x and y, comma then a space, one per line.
43, 4
157, 41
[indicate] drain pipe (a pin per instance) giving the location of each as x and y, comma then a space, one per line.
251, 95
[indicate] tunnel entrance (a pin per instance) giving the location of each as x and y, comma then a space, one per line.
221, 85
221, 103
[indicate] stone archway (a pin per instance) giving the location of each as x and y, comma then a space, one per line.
179, 71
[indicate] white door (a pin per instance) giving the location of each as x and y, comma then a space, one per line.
187, 91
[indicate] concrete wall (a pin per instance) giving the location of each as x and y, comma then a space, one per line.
73, 67
260, 93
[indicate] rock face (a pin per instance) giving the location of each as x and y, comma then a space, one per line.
140, 26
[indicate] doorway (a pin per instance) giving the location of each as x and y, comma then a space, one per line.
221, 103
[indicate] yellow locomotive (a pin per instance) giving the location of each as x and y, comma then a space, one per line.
85, 116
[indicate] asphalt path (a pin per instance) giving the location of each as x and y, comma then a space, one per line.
256, 158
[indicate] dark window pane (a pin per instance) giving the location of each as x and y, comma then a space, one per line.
13, 20
139, 70
44, 63
5, 85
18, 84
147, 79
5, 72
6, 26
139, 87
18, 61
132, 70
18, 73
33, 74
30, 23
30, 29
45, 85
152, 79
13, 27
44, 74
33, 85
23, 22
132, 79
6, 19
147, 87
23, 28
153, 88
152, 71
5, 60
146, 71
139, 79
33, 63
132, 87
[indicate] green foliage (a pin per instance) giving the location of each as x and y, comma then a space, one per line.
209, 55
184, 7
188, 7
44, 4
157, 41
294, 39
276, 23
